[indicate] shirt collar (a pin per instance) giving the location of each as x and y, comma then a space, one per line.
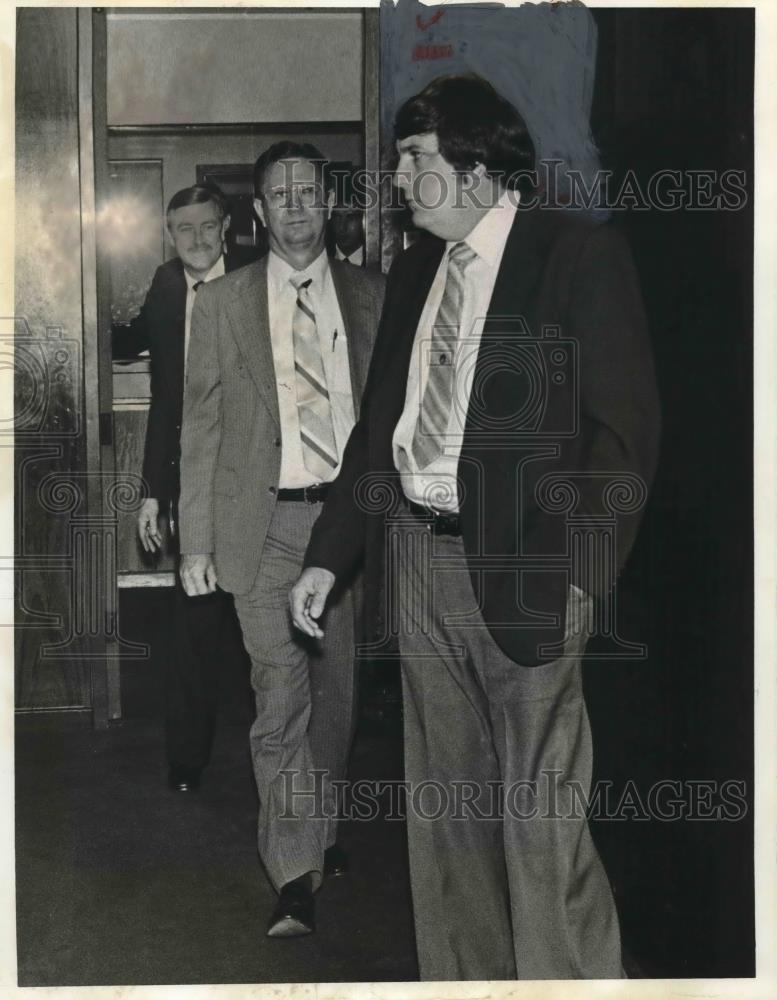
215, 272
489, 236
280, 271
357, 257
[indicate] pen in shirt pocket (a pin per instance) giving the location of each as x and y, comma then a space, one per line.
334, 338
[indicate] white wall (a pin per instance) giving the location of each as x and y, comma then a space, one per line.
170, 67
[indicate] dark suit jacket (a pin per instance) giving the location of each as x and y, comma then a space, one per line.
589, 412
159, 328
231, 442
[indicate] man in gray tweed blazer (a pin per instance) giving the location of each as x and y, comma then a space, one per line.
278, 360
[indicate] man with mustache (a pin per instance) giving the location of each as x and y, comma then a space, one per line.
197, 221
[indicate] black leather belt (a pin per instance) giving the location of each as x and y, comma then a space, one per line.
306, 494
441, 522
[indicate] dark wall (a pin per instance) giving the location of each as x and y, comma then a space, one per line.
674, 91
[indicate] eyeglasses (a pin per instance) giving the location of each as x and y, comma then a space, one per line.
302, 194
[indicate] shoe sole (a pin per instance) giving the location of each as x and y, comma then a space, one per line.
289, 927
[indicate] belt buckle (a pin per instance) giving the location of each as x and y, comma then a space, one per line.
309, 498
436, 521
440, 522
444, 522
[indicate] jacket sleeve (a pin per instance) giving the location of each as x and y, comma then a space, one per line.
201, 427
160, 452
131, 339
161, 444
338, 538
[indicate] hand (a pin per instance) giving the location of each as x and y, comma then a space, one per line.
148, 525
308, 597
198, 574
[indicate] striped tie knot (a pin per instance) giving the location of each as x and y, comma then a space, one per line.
461, 255
300, 283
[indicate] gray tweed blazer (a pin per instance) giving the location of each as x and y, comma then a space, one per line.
231, 436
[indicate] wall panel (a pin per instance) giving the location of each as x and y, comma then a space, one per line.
174, 67
49, 439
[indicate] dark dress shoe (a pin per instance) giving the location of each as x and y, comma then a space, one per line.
335, 861
295, 913
183, 779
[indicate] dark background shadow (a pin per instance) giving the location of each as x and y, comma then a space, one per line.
674, 91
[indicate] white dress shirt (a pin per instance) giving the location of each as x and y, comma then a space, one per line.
215, 272
436, 485
282, 299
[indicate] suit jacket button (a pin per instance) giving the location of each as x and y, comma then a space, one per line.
273, 490
277, 442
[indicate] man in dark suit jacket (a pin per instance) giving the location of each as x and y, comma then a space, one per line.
511, 399
279, 358
346, 236
197, 224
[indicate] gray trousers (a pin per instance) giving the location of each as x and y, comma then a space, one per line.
305, 704
498, 893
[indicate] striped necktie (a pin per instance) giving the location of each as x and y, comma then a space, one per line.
317, 434
435, 408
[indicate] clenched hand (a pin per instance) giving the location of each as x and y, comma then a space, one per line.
148, 525
308, 598
198, 574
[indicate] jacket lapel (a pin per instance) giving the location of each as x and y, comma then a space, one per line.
250, 320
175, 323
414, 301
355, 309
516, 278
509, 317
402, 320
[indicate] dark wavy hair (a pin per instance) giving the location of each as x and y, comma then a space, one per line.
287, 149
474, 124
199, 194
